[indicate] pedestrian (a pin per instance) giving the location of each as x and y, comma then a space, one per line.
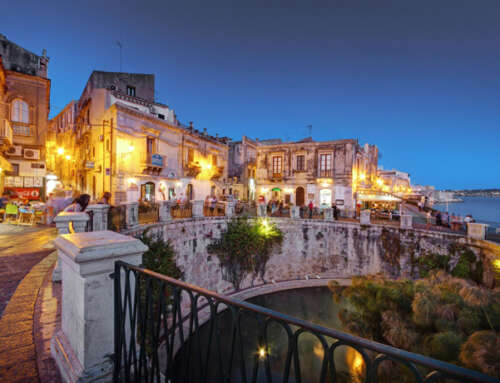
311, 208
429, 220
105, 199
79, 204
439, 221
335, 212
4, 200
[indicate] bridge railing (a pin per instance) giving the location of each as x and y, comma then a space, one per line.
168, 330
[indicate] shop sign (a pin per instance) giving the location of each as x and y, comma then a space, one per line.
38, 182
26, 193
89, 164
28, 182
156, 160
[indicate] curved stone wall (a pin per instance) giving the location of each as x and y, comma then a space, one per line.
311, 249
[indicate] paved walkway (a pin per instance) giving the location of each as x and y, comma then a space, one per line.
17, 239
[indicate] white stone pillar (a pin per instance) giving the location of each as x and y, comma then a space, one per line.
83, 346
476, 230
295, 212
132, 215
229, 209
65, 224
165, 211
100, 216
197, 208
328, 214
365, 217
261, 210
406, 221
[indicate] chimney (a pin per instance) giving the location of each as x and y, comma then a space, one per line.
44, 52
190, 125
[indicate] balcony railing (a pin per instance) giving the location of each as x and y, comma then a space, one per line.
325, 173
5, 133
170, 331
148, 213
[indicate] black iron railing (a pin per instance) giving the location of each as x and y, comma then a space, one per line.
117, 219
170, 331
148, 212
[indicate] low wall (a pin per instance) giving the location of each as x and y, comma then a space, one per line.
310, 249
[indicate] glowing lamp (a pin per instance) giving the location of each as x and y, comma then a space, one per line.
362, 176
131, 148
60, 151
68, 157
262, 352
379, 182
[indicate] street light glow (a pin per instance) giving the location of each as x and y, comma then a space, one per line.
60, 151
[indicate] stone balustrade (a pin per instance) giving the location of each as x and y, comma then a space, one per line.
83, 347
328, 214
99, 216
164, 211
197, 208
132, 215
365, 217
406, 221
476, 230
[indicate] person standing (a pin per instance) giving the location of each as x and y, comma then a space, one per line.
311, 208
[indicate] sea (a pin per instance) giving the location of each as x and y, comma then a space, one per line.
482, 209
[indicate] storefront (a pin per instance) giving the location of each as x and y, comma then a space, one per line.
378, 200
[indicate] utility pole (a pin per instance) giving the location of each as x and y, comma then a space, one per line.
120, 45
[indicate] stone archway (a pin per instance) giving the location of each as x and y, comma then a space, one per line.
299, 196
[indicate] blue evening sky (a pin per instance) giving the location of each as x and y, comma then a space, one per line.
420, 79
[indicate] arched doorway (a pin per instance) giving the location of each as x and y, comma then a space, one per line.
299, 196
189, 192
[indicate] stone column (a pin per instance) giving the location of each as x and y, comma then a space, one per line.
229, 209
100, 216
406, 221
328, 214
83, 346
365, 217
197, 208
295, 212
132, 215
261, 210
165, 211
65, 224
476, 230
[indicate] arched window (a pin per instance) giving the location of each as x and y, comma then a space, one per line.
20, 111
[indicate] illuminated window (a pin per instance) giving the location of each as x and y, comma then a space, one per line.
20, 111
131, 91
277, 165
301, 163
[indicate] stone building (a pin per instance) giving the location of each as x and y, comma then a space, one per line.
121, 140
323, 172
24, 111
242, 168
395, 181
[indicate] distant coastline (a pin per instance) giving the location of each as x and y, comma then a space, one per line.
477, 192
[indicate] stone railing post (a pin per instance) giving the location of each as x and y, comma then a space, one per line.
197, 208
229, 209
295, 212
261, 210
328, 214
65, 223
365, 217
83, 346
476, 230
406, 221
100, 216
132, 215
165, 211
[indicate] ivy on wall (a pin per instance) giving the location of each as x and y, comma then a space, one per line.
244, 248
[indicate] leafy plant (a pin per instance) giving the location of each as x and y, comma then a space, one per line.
245, 247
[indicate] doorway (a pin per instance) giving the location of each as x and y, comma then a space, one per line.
148, 192
299, 196
189, 192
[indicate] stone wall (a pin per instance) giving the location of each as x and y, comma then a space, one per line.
310, 249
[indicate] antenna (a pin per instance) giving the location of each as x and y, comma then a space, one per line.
309, 128
120, 45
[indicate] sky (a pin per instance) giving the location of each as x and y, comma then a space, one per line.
419, 79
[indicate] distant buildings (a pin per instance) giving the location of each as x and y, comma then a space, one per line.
24, 110
323, 172
117, 138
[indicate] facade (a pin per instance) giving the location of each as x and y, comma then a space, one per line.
122, 141
24, 112
5, 129
324, 172
242, 168
395, 182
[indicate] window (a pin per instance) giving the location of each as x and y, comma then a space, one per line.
161, 116
37, 165
277, 165
325, 165
21, 130
301, 163
214, 159
130, 90
150, 145
190, 155
20, 111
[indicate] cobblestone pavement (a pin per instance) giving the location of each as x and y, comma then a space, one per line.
16, 239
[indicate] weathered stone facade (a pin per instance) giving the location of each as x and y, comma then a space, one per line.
310, 249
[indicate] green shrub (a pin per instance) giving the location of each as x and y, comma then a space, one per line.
445, 346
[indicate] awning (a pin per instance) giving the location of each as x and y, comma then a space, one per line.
378, 198
276, 189
5, 165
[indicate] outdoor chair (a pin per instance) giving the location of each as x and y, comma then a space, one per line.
11, 213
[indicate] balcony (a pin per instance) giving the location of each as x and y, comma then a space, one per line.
5, 134
153, 163
325, 173
192, 169
219, 172
276, 176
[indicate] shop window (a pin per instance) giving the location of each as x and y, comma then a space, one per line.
148, 192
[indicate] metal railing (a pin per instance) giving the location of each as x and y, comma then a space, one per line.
183, 210
117, 219
148, 213
159, 322
6, 132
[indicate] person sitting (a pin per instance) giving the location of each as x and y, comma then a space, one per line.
105, 199
79, 204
